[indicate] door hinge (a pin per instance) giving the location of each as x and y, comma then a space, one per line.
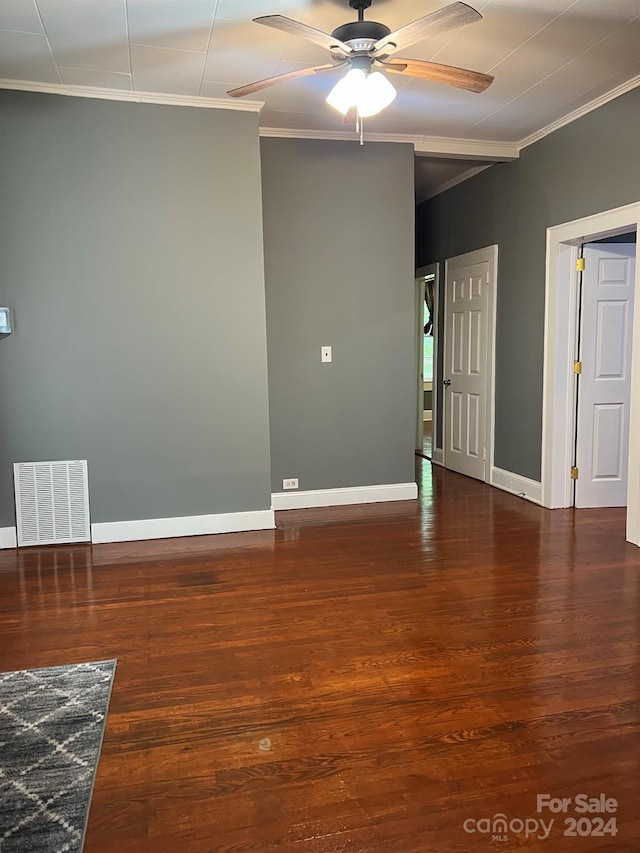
574, 473
580, 264
577, 367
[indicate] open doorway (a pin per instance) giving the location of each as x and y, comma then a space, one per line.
570, 436
426, 295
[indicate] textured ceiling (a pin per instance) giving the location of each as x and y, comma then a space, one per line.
549, 57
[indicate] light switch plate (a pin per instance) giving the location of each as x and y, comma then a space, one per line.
6, 321
326, 355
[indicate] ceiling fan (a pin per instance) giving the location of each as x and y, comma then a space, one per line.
364, 47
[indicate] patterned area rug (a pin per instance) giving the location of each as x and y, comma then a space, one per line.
51, 727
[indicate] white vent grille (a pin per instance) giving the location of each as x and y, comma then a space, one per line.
52, 502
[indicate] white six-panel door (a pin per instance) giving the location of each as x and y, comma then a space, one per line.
602, 447
465, 368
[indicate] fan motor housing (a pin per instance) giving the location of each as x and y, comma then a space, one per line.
357, 30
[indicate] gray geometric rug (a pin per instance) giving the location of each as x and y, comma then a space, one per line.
51, 728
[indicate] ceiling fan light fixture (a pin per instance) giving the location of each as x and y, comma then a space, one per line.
347, 91
377, 94
362, 44
368, 93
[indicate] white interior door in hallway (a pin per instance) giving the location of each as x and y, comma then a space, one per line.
604, 385
468, 364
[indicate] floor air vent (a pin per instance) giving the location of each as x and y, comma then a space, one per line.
52, 502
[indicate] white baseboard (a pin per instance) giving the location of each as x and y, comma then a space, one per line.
437, 455
194, 525
8, 538
341, 497
531, 490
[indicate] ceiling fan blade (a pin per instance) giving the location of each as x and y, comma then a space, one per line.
295, 28
461, 78
455, 15
250, 88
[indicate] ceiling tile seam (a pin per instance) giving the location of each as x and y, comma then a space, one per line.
456, 99
162, 47
206, 52
251, 21
290, 112
446, 44
534, 35
282, 55
574, 115
126, 21
442, 108
235, 82
94, 68
229, 83
21, 32
584, 94
46, 36
99, 70
224, 19
456, 34
581, 96
555, 71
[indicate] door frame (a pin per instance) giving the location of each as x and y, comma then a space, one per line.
558, 395
421, 274
490, 255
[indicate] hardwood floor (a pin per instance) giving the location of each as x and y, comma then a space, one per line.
363, 679
427, 441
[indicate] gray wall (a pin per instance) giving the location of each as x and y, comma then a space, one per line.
338, 222
588, 166
131, 251
631, 237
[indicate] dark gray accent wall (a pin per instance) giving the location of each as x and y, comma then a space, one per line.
630, 237
589, 166
131, 252
339, 251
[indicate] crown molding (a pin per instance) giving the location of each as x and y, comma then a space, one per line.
466, 149
470, 149
436, 146
133, 96
581, 111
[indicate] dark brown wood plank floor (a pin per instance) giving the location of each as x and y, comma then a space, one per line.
363, 679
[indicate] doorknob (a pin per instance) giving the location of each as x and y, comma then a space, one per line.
446, 383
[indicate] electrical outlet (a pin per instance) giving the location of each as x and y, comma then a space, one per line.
326, 354
292, 483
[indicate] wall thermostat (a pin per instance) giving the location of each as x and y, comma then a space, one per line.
6, 321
